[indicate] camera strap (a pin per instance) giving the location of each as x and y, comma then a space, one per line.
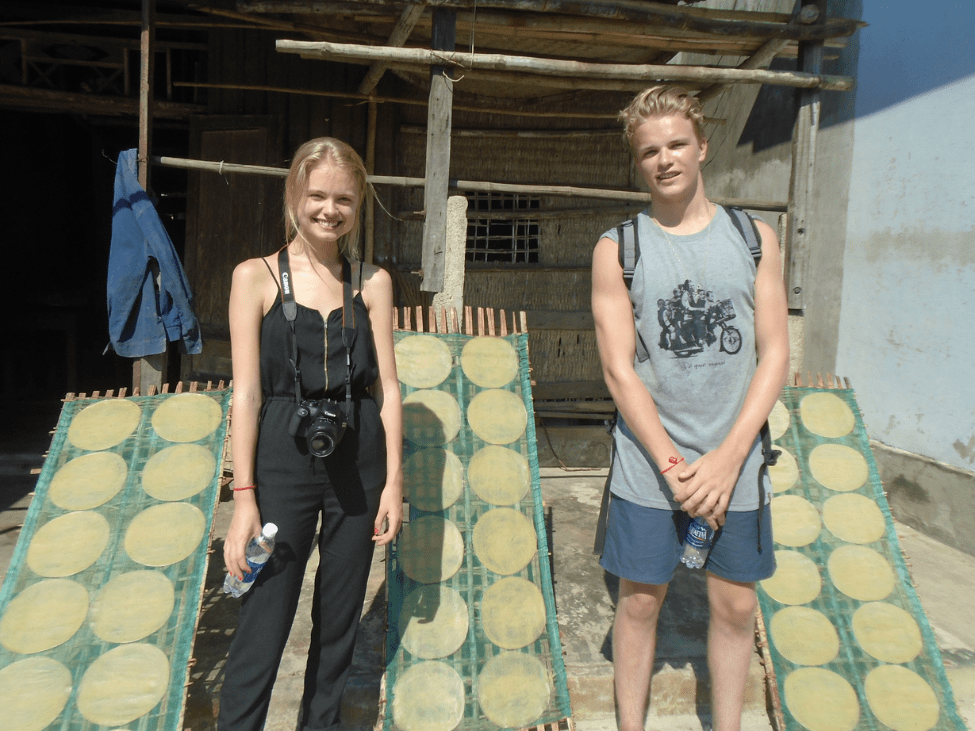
348, 331
290, 308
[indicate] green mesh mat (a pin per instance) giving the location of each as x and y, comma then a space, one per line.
463, 667
877, 678
134, 702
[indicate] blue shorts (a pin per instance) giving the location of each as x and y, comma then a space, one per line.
644, 544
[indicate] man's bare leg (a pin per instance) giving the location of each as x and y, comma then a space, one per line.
634, 641
731, 641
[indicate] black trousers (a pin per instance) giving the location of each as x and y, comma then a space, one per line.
267, 611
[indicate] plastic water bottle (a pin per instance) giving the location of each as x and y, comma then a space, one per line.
697, 543
258, 551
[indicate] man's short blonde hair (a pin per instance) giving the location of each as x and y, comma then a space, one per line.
659, 101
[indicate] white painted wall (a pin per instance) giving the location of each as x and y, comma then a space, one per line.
907, 323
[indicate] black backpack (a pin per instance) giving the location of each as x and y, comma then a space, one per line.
629, 240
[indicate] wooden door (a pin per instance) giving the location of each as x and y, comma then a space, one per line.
230, 217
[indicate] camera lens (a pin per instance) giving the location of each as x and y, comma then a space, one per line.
320, 444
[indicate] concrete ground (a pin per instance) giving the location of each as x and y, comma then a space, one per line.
584, 595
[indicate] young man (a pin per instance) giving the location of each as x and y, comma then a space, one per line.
687, 440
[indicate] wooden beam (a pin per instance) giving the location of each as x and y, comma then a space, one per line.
150, 370
83, 39
764, 55
42, 13
435, 190
550, 67
624, 10
29, 98
401, 33
759, 60
516, 112
365, 8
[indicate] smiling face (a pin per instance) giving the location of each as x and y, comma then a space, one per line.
318, 208
329, 207
669, 154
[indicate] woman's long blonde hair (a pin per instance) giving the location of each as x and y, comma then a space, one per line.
342, 156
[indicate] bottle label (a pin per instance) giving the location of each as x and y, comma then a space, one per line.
255, 569
698, 536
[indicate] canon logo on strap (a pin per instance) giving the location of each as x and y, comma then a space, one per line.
286, 282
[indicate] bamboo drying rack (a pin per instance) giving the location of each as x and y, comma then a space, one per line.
443, 321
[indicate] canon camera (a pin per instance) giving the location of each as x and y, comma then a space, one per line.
321, 423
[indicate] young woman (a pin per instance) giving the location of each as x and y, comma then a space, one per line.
335, 356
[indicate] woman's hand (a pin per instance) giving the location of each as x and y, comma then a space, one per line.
245, 525
389, 519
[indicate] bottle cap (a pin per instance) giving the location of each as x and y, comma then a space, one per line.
270, 530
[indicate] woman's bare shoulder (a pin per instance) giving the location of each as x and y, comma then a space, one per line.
256, 267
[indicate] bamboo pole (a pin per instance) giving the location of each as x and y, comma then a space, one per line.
510, 78
392, 100
472, 185
401, 33
551, 67
520, 133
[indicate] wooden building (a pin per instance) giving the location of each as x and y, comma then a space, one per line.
517, 112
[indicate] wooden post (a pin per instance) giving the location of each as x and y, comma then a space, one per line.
801, 182
150, 370
451, 296
439, 114
368, 252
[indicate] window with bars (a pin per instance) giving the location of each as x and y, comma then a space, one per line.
506, 232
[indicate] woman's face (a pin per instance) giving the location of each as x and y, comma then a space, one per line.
329, 206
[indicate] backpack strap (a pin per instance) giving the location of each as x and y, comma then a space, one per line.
629, 256
745, 224
770, 458
629, 243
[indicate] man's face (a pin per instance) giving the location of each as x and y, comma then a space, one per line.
669, 156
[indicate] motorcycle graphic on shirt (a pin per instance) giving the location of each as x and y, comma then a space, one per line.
692, 320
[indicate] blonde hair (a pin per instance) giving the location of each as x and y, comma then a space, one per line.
659, 101
310, 154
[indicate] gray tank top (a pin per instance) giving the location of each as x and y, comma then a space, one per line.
694, 308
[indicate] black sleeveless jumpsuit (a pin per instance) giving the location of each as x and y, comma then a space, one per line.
293, 488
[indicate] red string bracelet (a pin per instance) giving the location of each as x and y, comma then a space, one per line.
673, 463
239, 489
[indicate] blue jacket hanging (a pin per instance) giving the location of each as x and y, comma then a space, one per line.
141, 319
